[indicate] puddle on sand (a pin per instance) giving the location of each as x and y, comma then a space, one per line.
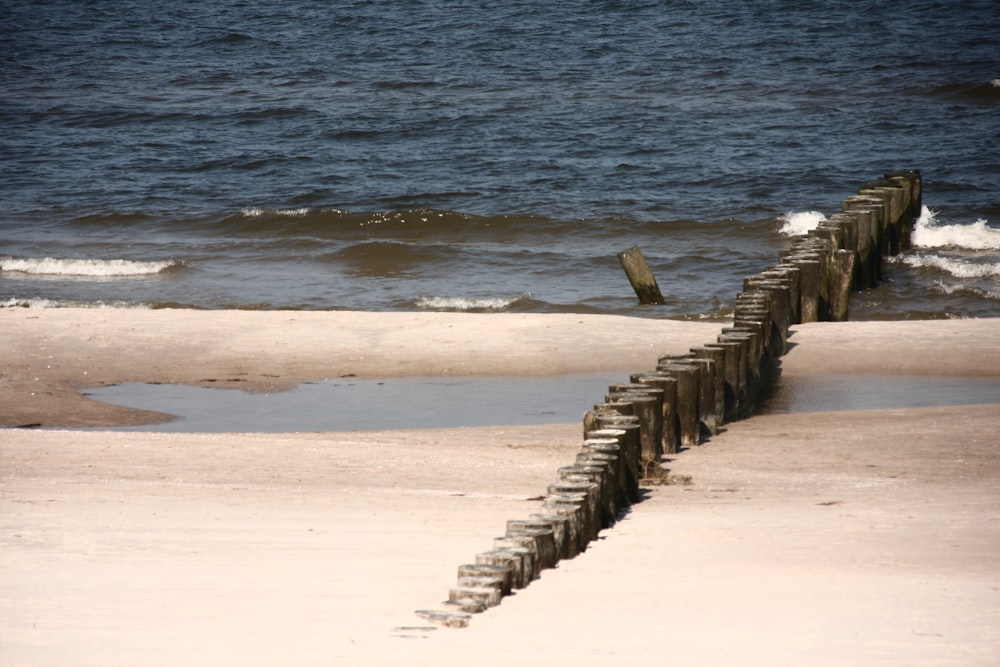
425, 402
362, 404
829, 393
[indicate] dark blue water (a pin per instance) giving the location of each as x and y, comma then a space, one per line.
446, 155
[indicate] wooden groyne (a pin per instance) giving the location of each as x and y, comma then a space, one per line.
684, 399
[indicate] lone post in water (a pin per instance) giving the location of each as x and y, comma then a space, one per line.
640, 276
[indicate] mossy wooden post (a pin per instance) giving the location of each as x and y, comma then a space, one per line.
842, 270
717, 413
647, 405
640, 276
688, 400
870, 211
668, 416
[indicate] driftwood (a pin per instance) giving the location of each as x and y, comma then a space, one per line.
640, 276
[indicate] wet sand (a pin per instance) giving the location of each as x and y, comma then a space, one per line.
830, 538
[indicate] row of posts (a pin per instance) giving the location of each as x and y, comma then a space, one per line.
687, 398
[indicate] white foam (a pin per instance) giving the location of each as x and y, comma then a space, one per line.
92, 268
798, 223
255, 212
954, 267
51, 303
977, 236
465, 303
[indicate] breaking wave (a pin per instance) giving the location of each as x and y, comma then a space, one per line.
799, 223
55, 303
468, 304
927, 233
90, 268
958, 268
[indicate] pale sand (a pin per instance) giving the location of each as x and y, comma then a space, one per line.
812, 539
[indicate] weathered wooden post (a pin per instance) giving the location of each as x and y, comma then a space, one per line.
630, 459
487, 595
841, 274
504, 558
717, 412
629, 428
609, 447
647, 403
688, 398
909, 181
448, 619
640, 276
587, 482
871, 216
527, 555
668, 419
790, 276
562, 533
571, 509
540, 537
747, 374
469, 574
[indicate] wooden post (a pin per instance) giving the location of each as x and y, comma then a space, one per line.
668, 415
544, 537
840, 285
717, 356
688, 400
501, 572
574, 509
504, 558
640, 276
629, 428
647, 405
610, 447
448, 619
562, 531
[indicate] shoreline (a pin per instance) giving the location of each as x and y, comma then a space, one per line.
54, 354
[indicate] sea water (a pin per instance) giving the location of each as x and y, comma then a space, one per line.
484, 156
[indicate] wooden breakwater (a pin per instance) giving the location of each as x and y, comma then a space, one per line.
684, 399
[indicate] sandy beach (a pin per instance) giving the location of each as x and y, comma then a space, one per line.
869, 537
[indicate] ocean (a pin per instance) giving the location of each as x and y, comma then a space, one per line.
451, 155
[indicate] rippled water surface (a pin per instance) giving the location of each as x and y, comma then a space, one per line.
449, 155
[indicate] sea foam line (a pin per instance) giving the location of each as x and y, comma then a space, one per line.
466, 303
256, 212
977, 236
954, 267
15, 302
92, 268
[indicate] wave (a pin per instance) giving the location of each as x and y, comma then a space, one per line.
977, 236
14, 302
799, 223
469, 304
957, 268
89, 268
958, 289
255, 212
981, 93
